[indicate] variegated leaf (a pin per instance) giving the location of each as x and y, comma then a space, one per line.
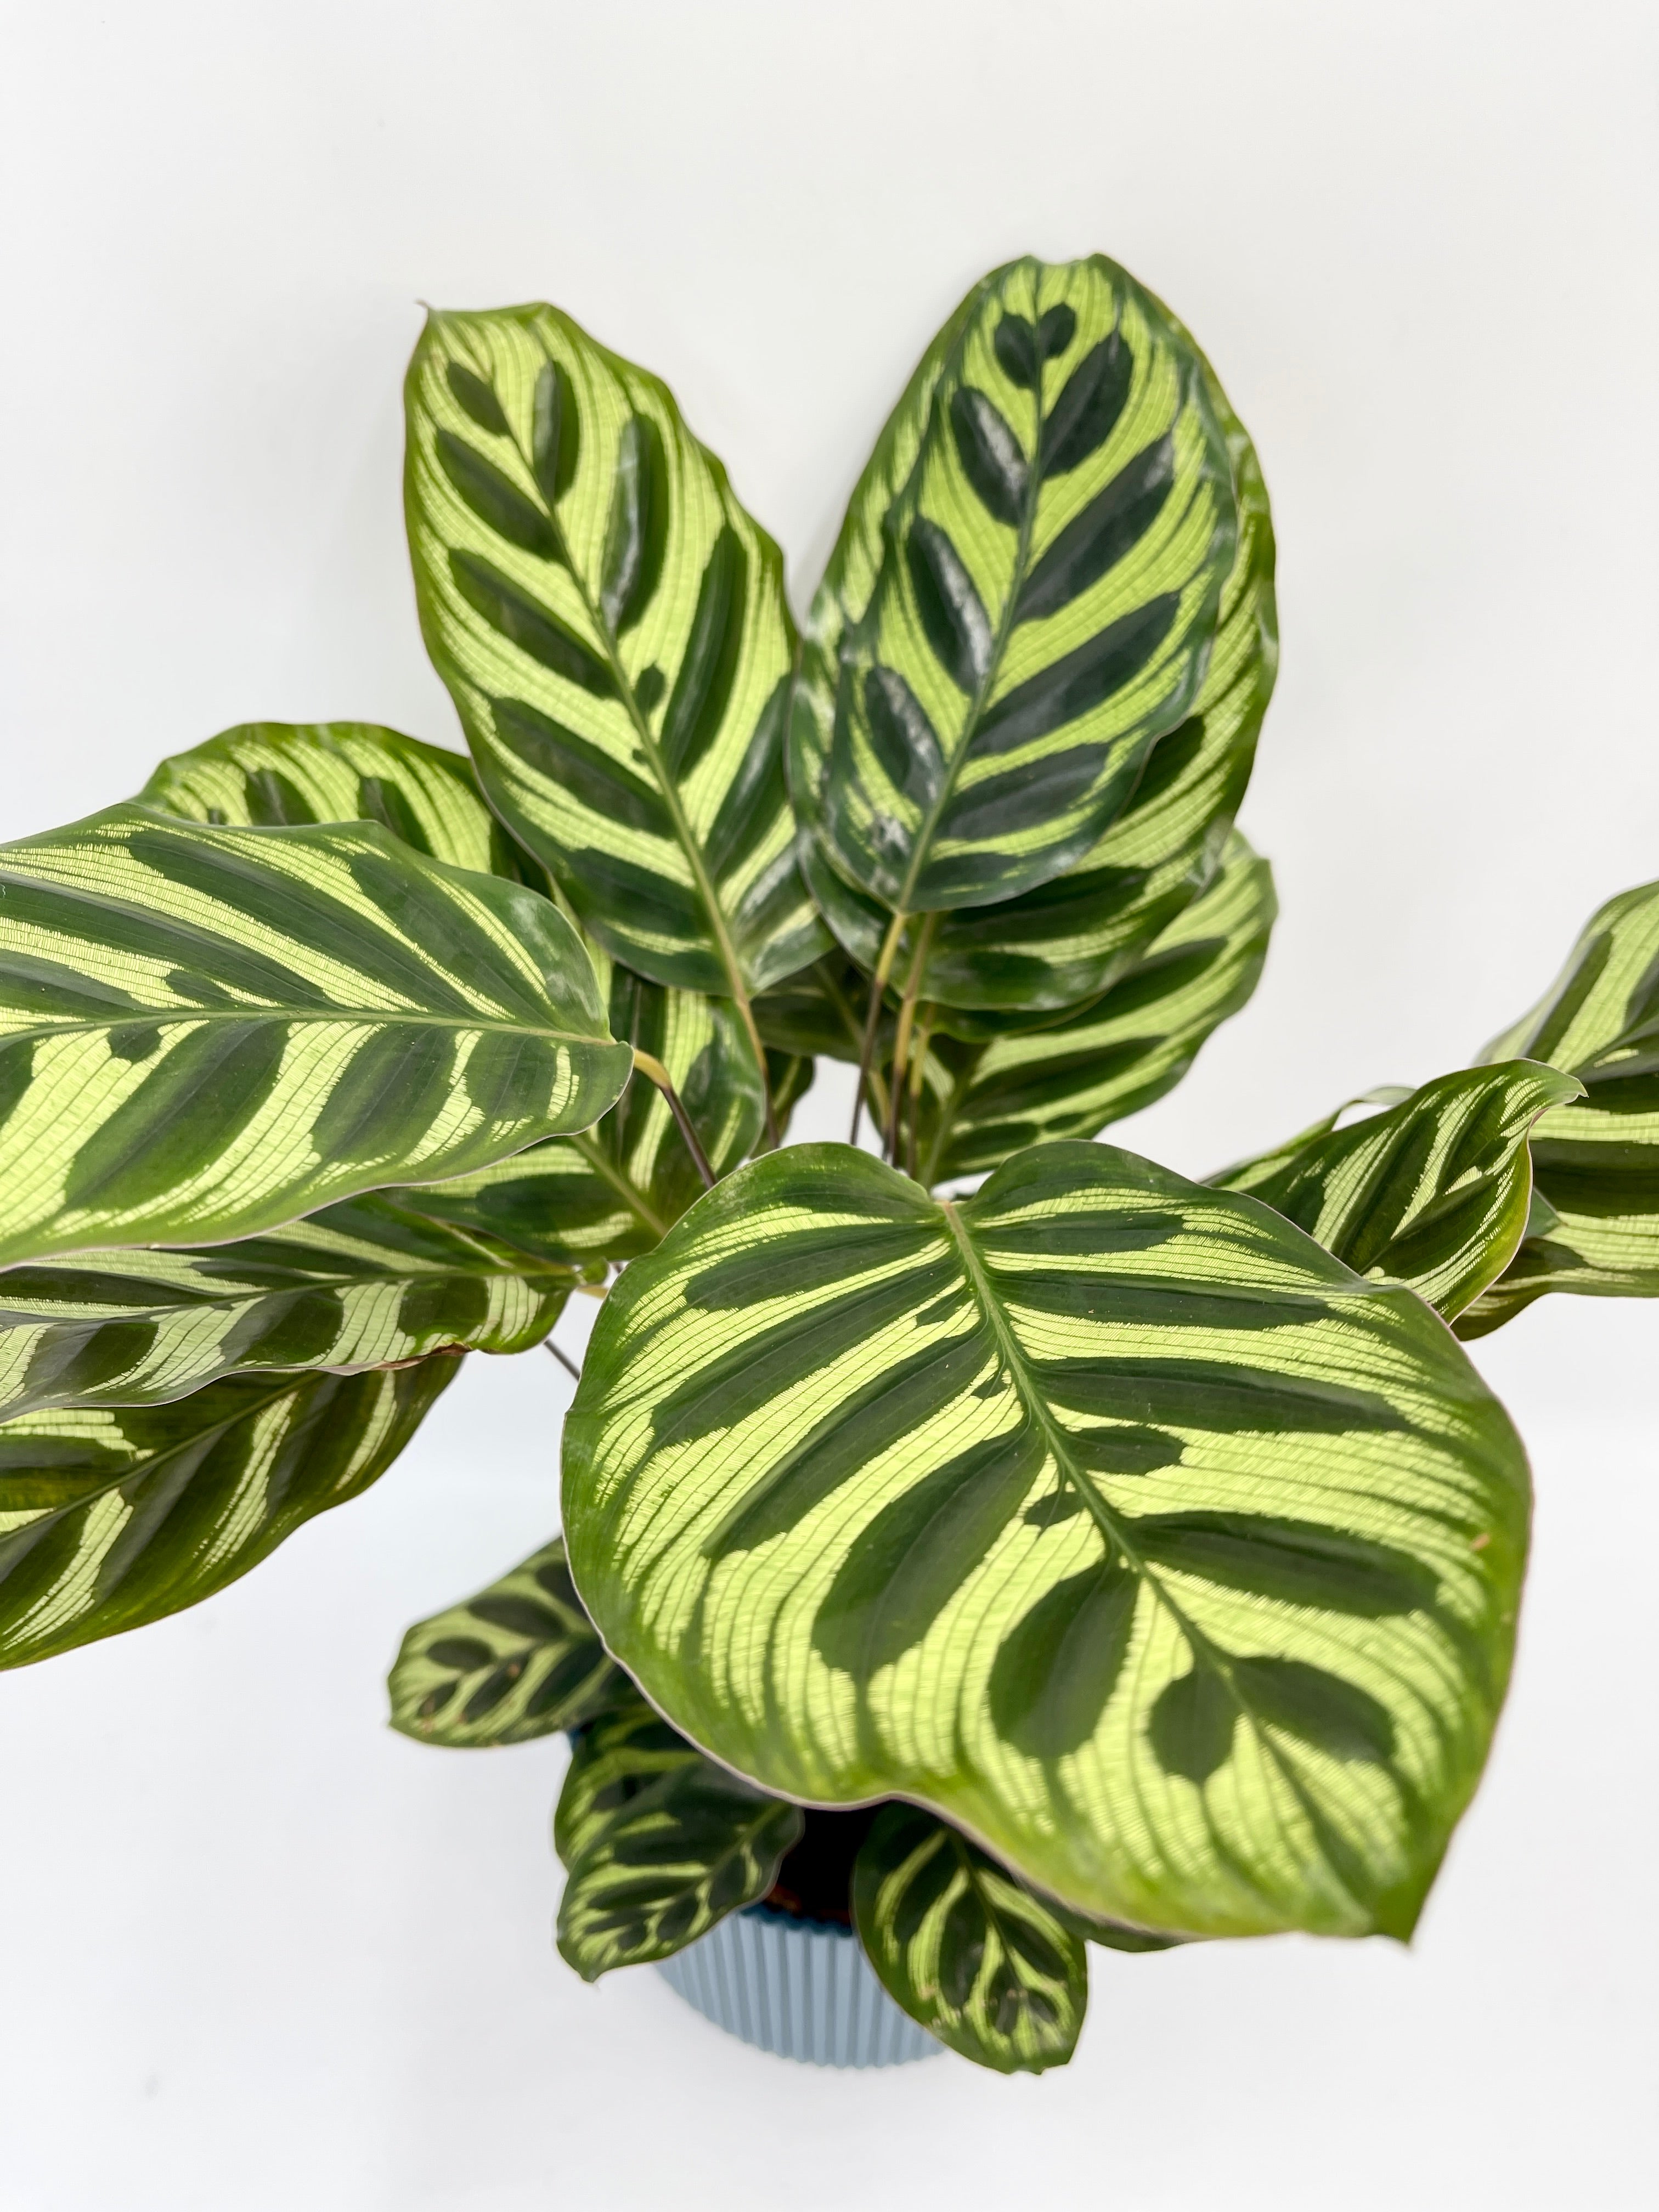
966, 1947
1596, 1161
1068, 940
1022, 596
519, 1660
1104, 1514
279, 774
206, 1032
613, 629
659, 1843
110, 1517
360, 1285
1433, 1192
608, 1193
981, 1101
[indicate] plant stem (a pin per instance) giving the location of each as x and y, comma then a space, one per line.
902, 1038
653, 1069
872, 1018
568, 1365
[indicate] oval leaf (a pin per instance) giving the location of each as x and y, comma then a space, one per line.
966, 1947
111, 1518
613, 629
660, 1844
1106, 1515
206, 1032
519, 1660
1023, 595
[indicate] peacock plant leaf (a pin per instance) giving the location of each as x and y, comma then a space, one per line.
966, 1947
980, 1102
282, 774
658, 1842
1068, 940
1433, 1192
1022, 597
113, 1516
359, 1285
1106, 1515
519, 1660
206, 1032
612, 627
1596, 1161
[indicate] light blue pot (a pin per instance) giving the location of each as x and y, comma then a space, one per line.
796, 1987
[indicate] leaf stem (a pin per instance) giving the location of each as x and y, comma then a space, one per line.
902, 1039
653, 1069
889, 945
569, 1364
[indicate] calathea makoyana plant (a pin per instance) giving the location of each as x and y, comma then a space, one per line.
1132, 1560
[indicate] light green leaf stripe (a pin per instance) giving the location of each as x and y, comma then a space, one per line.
1433, 1193
113, 1517
660, 1844
1069, 940
608, 1193
1595, 1163
1023, 595
205, 1032
357, 1285
983, 1102
519, 1660
965, 1947
613, 629
282, 774
1106, 1515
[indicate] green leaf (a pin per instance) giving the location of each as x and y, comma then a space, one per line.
206, 1032
281, 774
1068, 940
113, 1517
984, 1101
613, 629
608, 1193
1595, 1163
1023, 595
1433, 1193
1104, 1514
519, 1660
660, 1844
360, 1285
966, 1947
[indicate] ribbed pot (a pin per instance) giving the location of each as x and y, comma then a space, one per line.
798, 1988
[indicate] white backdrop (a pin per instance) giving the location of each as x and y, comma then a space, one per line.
257, 1952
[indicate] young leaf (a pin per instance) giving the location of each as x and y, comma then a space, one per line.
360, 1285
983, 1102
519, 1660
1596, 1161
966, 1947
1023, 595
113, 1517
660, 1844
206, 1032
1433, 1193
613, 629
280, 775
1106, 1515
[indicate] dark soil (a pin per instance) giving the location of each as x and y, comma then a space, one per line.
815, 1879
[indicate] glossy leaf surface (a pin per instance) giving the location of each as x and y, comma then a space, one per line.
612, 628
1596, 1161
519, 1660
110, 1517
985, 1101
1023, 595
659, 1843
359, 1285
206, 1032
1106, 1515
282, 774
1433, 1193
965, 1947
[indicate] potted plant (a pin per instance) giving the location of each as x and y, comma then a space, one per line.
953, 1577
